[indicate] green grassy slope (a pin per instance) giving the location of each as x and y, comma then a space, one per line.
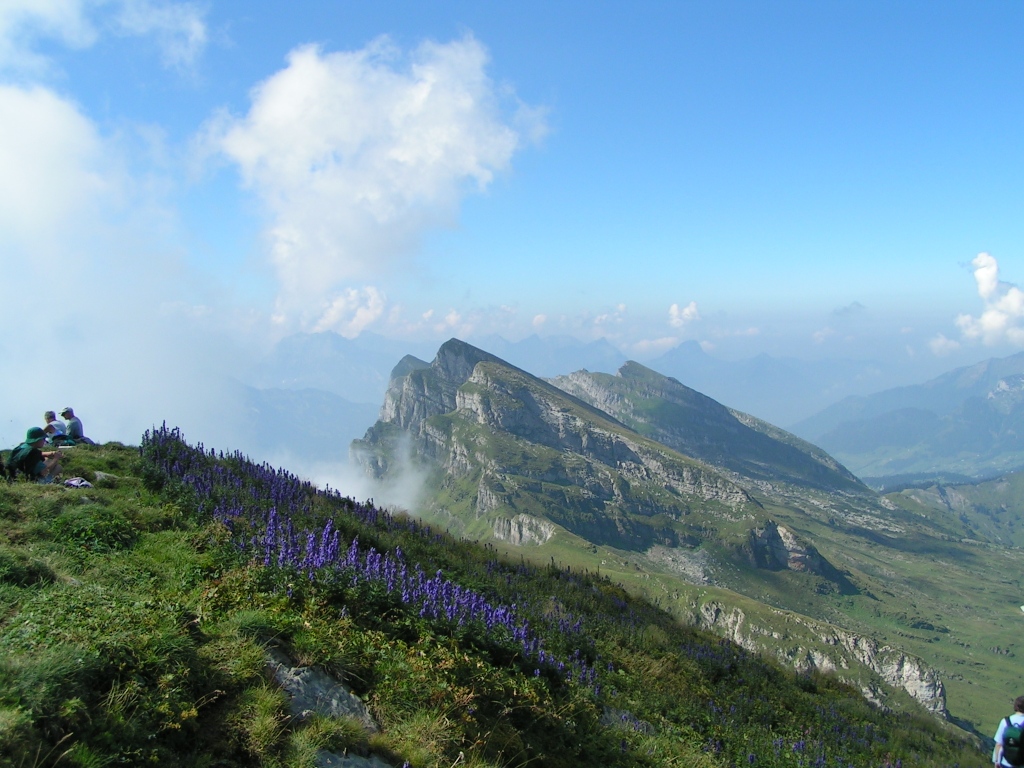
920, 588
134, 618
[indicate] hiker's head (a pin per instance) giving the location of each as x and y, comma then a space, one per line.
49, 416
69, 411
1018, 704
34, 435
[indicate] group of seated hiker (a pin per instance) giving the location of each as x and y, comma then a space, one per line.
31, 461
61, 433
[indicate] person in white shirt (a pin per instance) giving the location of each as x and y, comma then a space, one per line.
1017, 718
53, 427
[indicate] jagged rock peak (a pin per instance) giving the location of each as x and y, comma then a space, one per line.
456, 360
419, 390
407, 365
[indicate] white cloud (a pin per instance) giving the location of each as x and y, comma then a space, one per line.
615, 317
678, 317
651, 347
357, 154
1003, 313
352, 311
54, 166
179, 28
23, 21
819, 337
941, 346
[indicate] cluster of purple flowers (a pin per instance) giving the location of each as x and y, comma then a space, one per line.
231, 488
318, 535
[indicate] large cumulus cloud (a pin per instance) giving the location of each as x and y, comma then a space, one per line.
355, 155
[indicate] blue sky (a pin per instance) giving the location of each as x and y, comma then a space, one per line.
194, 180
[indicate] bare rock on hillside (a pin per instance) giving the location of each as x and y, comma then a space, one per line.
523, 530
325, 759
312, 691
775, 546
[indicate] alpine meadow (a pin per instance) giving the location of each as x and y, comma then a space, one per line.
511, 384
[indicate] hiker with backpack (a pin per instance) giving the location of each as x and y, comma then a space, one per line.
1009, 749
29, 459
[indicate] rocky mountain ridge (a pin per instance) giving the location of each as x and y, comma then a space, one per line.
601, 470
695, 425
641, 477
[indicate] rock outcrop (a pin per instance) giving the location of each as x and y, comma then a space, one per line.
810, 645
312, 691
523, 530
775, 546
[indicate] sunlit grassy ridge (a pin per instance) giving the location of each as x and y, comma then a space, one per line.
135, 617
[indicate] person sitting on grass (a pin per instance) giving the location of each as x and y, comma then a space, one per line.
54, 429
74, 425
29, 459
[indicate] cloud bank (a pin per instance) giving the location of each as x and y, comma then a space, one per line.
355, 155
94, 282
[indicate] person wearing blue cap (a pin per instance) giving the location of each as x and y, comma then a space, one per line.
30, 460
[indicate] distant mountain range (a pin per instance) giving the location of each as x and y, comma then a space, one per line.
303, 425
354, 369
968, 423
779, 390
959, 426
726, 520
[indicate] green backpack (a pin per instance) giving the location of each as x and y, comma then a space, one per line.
17, 461
1013, 743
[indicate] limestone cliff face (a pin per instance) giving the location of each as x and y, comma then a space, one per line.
526, 446
807, 644
480, 388
529, 409
418, 391
523, 530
